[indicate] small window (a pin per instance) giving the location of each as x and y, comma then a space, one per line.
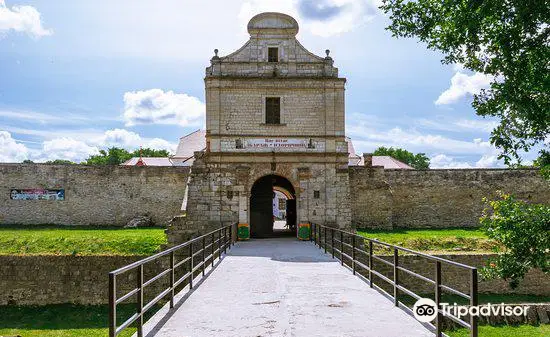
316, 194
272, 54
273, 110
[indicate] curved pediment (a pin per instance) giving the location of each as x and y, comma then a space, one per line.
272, 23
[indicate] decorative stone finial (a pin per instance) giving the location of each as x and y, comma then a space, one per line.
328, 52
215, 57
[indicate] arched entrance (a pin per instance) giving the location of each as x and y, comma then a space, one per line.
265, 203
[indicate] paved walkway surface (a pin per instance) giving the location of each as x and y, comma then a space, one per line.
284, 287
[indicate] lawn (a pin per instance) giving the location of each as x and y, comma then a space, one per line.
447, 240
77, 240
505, 331
58, 320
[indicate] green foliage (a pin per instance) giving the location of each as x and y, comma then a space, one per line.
64, 320
543, 162
60, 162
27, 161
505, 39
418, 161
117, 156
524, 231
75, 240
505, 331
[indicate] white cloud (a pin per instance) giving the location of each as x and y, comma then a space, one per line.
486, 126
463, 84
66, 148
10, 150
24, 19
156, 106
130, 140
323, 18
443, 161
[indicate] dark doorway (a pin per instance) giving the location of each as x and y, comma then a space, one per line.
263, 207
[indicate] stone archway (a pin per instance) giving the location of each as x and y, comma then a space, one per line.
261, 206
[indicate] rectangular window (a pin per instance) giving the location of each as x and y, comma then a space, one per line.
273, 110
272, 54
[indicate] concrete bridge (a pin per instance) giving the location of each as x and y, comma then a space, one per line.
283, 287
277, 287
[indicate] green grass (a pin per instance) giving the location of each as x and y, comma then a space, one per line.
505, 331
58, 320
73, 240
448, 240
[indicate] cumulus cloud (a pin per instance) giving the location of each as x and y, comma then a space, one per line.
155, 106
10, 150
320, 17
67, 148
130, 140
450, 162
25, 19
463, 84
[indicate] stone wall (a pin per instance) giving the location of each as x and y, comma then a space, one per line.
39, 280
94, 195
535, 282
434, 198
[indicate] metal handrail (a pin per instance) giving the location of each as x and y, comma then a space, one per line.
323, 236
219, 241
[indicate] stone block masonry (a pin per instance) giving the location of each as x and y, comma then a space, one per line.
94, 195
435, 198
40, 280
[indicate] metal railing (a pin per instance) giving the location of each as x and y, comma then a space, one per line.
193, 262
324, 237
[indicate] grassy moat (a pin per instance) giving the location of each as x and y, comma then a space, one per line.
77, 240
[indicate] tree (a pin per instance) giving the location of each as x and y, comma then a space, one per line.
27, 161
60, 162
419, 161
117, 156
506, 40
523, 230
113, 156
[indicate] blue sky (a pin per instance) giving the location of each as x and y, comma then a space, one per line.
79, 76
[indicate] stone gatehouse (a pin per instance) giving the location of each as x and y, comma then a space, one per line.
274, 122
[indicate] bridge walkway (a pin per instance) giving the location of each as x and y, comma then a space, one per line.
282, 287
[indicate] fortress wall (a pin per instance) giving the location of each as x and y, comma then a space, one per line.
435, 198
94, 195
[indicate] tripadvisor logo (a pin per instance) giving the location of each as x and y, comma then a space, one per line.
425, 311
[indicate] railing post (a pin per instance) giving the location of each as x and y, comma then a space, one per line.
191, 274
332, 241
325, 240
212, 249
203, 249
342, 247
438, 319
139, 304
220, 244
395, 276
473, 301
112, 305
353, 253
172, 278
225, 240
370, 263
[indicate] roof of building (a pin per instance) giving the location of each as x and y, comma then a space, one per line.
386, 161
188, 144
149, 161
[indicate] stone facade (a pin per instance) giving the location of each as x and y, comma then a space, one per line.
310, 151
435, 198
108, 195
